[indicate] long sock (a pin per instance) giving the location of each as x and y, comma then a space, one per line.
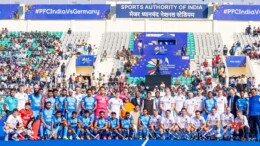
78, 131
140, 133
65, 131
41, 131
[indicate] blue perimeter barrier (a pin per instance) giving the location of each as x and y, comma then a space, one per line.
127, 143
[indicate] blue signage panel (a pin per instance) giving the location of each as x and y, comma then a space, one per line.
174, 65
67, 12
237, 12
8, 11
161, 11
85, 60
236, 61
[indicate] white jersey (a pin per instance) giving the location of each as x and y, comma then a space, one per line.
221, 102
190, 105
22, 99
166, 103
13, 121
183, 121
228, 119
243, 120
79, 99
200, 102
198, 122
115, 105
155, 120
213, 119
167, 122
179, 102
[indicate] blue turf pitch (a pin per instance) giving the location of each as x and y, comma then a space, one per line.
126, 143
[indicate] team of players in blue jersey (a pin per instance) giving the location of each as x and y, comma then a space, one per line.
60, 119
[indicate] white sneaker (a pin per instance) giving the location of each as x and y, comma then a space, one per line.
65, 137
77, 138
70, 138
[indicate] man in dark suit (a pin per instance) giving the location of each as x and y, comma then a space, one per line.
137, 100
232, 99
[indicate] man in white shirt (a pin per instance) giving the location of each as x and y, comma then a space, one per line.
13, 125
221, 102
22, 97
166, 102
179, 100
191, 105
242, 127
226, 119
115, 105
213, 125
79, 97
183, 125
200, 100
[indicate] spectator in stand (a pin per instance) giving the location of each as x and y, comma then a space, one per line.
69, 31
225, 50
184, 50
205, 64
232, 50
214, 65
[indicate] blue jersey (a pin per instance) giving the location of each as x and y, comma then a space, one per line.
35, 101
60, 101
242, 104
209, 104
52, 101
145, 120
254, 106
70, 104
89, 102
73, 122
101, 122
86, 121
56, 120
47, 116
126, 122
113, 122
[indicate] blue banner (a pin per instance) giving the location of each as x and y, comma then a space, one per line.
8, 11
67, 12
174, 65
161, 11
237, 12
85, 60
236, 61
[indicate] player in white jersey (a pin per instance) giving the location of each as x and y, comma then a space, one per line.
79, 97
242, 126
221, 102
22, 97
226, 120
166, 102
115, 105
179, 100
14, 125
183, 125
191, 105
213, 125
167, 126
198, 125
200, 100
155, 123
